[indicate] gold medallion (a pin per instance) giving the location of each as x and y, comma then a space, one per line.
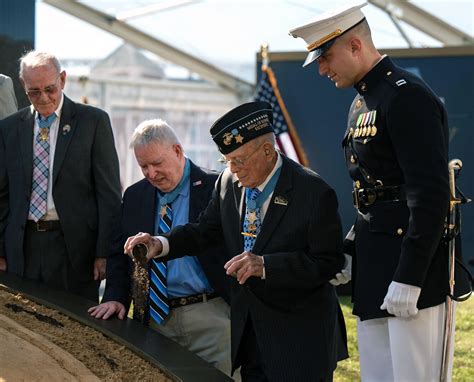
356, 133
44, 134
252, 216
227, 139
374, 131
163, 211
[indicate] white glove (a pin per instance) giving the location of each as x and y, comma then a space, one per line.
344, 276
401, 299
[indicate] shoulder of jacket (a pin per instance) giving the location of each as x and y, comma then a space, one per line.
397, 79
210, 174
88, 109
306, 177
138, 186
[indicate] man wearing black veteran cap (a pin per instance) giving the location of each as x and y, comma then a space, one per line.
396, 149
283, 233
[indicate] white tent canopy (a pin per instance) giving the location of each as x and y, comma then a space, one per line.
218, 39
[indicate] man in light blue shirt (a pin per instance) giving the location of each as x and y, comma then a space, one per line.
187, 302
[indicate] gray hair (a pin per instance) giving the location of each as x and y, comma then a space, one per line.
33, 59
154, 130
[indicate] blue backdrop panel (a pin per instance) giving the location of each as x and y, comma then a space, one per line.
319, 112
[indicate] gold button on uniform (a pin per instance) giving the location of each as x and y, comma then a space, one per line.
399, 231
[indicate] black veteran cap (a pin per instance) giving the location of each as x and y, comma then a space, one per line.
241, 125
321, 32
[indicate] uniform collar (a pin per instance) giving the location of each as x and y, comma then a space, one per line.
373, 77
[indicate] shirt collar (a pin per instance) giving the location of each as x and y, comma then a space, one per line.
370, 81
278, 164
57, 111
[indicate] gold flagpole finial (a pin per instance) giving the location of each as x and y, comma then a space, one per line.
264, 55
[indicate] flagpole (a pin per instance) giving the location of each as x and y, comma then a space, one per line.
273, 82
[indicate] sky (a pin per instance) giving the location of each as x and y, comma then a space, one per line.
226, 31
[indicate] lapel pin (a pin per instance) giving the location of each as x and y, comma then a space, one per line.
280, 200
197, 183
66, 129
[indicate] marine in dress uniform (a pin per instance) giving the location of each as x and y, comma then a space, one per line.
396, 150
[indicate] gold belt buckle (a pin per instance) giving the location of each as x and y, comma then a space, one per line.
355, 197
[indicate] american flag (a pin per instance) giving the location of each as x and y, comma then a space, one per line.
286, 137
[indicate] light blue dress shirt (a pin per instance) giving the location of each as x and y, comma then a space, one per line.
185, 275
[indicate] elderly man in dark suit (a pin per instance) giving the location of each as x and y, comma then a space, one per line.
8, 103
59, 184
282, 230
197, 315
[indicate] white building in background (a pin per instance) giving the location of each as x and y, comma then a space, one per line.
132, 88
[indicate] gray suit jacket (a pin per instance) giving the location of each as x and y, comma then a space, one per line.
86, 184
8, 103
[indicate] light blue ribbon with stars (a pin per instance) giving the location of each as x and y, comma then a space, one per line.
252, 205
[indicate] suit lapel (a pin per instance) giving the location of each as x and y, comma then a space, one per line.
25, 135
65, 133
148, 199
279, 203
197, 200
237, 219
148, 214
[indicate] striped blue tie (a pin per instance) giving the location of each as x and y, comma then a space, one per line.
159, 308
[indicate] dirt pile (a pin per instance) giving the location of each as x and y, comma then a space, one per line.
38, 343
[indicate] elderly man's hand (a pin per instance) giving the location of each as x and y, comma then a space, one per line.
345, 275
99, 268
107, 310
3, 264
245, 265
152, 242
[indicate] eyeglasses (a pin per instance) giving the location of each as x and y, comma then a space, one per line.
240, 162
49, 90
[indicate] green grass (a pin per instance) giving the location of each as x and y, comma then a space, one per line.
463, 369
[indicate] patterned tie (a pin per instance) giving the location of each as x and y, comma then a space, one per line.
39, 191
252, 221
159, 308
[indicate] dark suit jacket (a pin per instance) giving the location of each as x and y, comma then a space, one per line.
294, 311
138, 215
86, 184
